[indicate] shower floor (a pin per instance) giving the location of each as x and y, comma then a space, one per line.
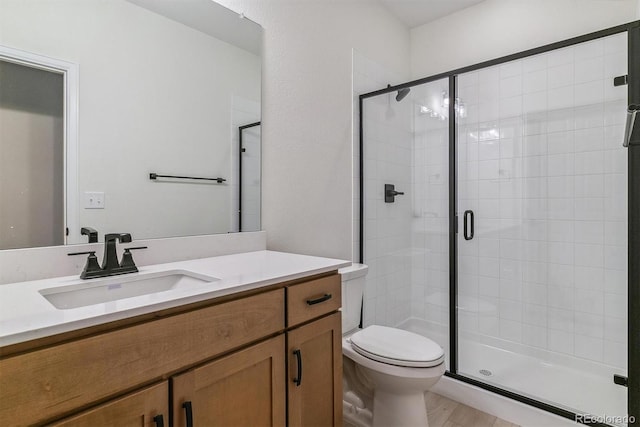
561, 380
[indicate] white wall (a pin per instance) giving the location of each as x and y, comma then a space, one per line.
307, 113
147, 104
496, 28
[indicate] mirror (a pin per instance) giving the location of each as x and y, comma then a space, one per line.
98, 96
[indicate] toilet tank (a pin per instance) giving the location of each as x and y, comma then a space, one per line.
353, 280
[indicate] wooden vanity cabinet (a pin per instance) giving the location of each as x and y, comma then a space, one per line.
228, 363
246, 388
314, 349
148, 407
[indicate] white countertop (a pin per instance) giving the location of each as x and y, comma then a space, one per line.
26, 315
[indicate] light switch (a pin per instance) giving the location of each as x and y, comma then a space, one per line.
93, 200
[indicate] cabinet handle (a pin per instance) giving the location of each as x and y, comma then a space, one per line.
298, 380
319, 300
159, 420
189, 413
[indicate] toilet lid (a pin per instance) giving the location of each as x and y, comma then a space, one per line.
397, 347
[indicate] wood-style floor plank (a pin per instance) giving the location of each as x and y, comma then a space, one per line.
444, 412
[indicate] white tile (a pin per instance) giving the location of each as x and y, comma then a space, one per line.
560, 253
591, 232
560, 98
615, 161
587, 301
561, 297
535, 145
589, 278
488, 286
560, 209
589, 185
511, 310
511, 68
589, 348
489, 189
488, 169
489, 247
615, 329
560, 56
590, 69
615, 43
615, 64
535, 187
615, 257
535, 336
560, 341
510, 290
534, 314
615, 233
561, 164
560, 142
560, 186
589, 209
534, 293
512, 86
510, 107
533, 102
615, 354
560, 275
534, 63
534, 81
588, 255
589, 93
590, 49
490, 267
510, 148
488, 150
590, 118
560, 120
591, 325
560, 76
561, 320
589, 162
510, 330
560, 230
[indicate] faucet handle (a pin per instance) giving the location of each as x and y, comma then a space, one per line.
127, 259
91, 267
121, 237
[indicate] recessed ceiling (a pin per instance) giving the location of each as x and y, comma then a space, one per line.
417, 12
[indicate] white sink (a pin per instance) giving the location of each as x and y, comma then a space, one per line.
97, 291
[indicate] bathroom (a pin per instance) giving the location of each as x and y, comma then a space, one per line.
312, 78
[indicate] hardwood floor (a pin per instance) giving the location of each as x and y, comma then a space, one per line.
444, 412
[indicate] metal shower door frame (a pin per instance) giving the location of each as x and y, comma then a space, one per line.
633, 397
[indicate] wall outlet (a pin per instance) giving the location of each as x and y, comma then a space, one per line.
93, 200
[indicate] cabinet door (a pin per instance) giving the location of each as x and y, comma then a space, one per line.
245, 388
145, 408
315, 373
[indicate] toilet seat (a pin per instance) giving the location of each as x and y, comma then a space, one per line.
397, 347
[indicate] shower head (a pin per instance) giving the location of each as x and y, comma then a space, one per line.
402, 93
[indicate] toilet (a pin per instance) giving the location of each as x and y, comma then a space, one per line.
386, 371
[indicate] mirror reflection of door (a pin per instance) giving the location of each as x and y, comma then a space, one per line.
31, 157
250, 177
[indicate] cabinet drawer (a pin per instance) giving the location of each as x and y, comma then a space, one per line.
139, 409
312, 299
55, 381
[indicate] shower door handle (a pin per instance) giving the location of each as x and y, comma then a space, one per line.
631, 119
468, 231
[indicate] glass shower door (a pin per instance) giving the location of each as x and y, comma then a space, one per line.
542, 218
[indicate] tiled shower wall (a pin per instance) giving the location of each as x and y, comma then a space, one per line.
430, 211
387, 160
542, 166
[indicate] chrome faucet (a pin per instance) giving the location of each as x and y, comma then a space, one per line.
110, 264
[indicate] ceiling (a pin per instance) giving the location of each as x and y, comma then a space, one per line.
417, 12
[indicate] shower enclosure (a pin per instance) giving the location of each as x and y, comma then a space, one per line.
512, 231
